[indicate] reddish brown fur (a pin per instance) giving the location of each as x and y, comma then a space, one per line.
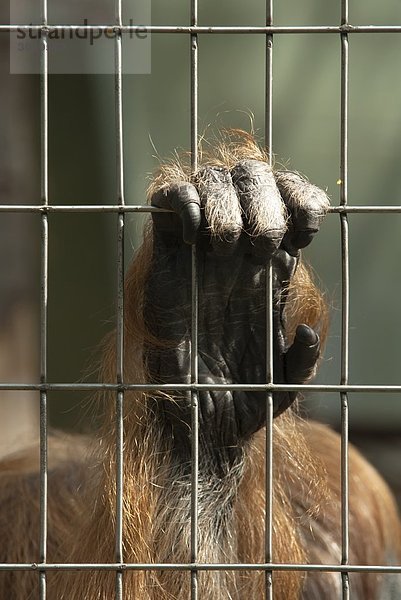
82, 490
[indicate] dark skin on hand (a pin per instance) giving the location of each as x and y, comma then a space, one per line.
267, 219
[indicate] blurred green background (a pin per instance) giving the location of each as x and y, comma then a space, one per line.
306, 137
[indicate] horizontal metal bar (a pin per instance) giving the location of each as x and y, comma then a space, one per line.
365, 209
91, 208
192, 30
144, 208
248, 387
199, 566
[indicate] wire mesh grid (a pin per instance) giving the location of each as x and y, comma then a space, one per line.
120, 386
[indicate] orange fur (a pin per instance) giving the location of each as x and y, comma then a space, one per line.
82, 498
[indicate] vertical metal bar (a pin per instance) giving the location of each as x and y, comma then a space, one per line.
44, 299
194, 323
120, 301
269, 79
345, 305
269, 320
43, 408
194, 86
269, 433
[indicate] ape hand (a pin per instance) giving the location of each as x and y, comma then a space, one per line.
239, 219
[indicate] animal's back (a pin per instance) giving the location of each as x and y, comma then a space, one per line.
373, 519
374, 526
20, 509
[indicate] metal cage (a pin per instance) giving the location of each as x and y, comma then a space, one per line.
44, 207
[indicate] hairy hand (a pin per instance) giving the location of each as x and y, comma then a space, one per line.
239, 219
